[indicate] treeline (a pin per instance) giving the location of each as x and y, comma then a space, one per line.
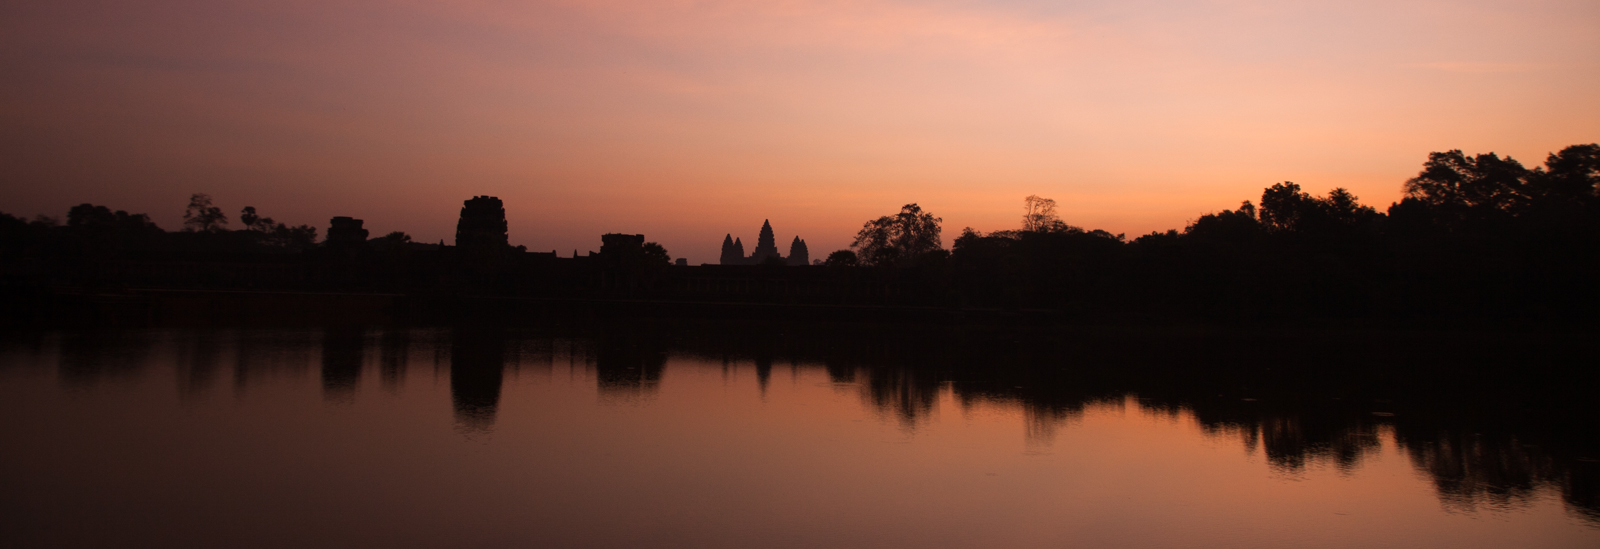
1475, 238
97, 232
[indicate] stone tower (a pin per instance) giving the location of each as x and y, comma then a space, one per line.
346, 232
729, 256
798, 255
766, 245
482, 225
617, 243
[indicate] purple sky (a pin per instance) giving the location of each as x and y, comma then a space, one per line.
689, 120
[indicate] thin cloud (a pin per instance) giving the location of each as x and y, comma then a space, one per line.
1469, 67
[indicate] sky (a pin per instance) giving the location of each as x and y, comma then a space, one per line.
689, 120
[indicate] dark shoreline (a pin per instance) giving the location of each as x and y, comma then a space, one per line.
154, 307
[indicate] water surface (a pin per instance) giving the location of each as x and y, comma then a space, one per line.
493, 437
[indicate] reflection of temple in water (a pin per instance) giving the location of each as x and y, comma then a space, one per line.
342, 353
1481, 444
394, 354
477, 370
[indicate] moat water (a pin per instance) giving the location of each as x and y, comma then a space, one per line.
447, 437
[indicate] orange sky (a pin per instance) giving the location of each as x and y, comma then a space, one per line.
688, 120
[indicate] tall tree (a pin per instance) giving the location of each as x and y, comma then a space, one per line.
253, 221
1454, 180
898, 239
1572, 174
1039, 214
202, 216
1284, 206
1287, 209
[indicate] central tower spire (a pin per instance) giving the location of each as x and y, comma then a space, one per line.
766, 244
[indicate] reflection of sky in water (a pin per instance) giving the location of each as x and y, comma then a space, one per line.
474, 438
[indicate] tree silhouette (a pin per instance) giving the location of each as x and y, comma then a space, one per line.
898, 239
655, 254
1475, 237
1453, 180
1237, 226
1283, 206
253, 221
98, 231
101, 218
1039, 215
1570, 177
263, 231
298, 237
1287, 209
202, 216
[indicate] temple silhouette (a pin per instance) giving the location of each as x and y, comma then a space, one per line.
766, 250
482, 225
1475, 239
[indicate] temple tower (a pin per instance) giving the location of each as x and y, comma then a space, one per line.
798, 255
346, 231
729, 256
766, 245
482, 225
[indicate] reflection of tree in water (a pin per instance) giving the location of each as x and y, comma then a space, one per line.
1581, 488
1483, 437
1041, 421
1468, 469
477, 370
1484, 434
1046, 408
1290, 442
199, 356
840, 371
1292, 438
906, 394
342, 350
1315, 397
763, 372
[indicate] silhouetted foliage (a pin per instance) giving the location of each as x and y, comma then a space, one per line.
202, 216
299, 237
1572, 175
655, 254
252, 221
1475, 238
1039, 215
88, 217
630, 264
1453, 181
898, 239
1239, 226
